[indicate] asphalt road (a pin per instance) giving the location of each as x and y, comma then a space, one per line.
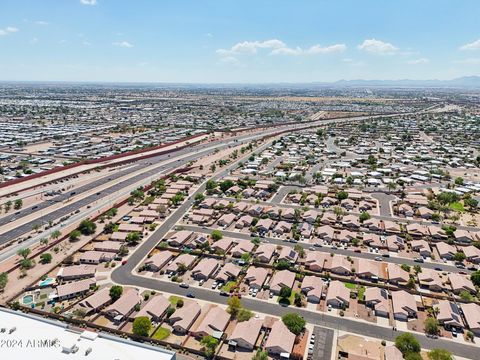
124, 275
363, 255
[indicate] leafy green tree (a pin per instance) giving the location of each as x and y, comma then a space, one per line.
3, 280
234, 305
244, 315
475, 277
407, 343
405, 267
109, 228
26, 263
439, 354
466, 296
46, 258
74, 235
471, 203
132, 238
282, 265
364, 216
431, 326
55, 234
459, 256
142, 326
447, 198
225, 185
342, 195
285, 292
199, 198
216, 235
210, 344
87, 227
115, 292
210, 185
24, 252
18, 204
260, 355
459, 181
294, 322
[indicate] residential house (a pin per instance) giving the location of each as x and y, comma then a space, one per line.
246, 333
205, 269
404, 305
256, 277
158, 260
124, 306
183, 318
280, 340
377, 299
283, 278
338, 295
216, 320
312, 287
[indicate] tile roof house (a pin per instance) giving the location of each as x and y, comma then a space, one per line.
396, 275
216, 319
185, 259
463, 236
472, 317
228, 272
326, 232
256, 277
377, 299
224, 245
328, 218
243, 247
283, 278
226, 220
431, 279
265, 252
445, 250
158, 260
124, 306
244, 222
391, 227
264, 225
180, 238
95, 257
417, 229
460, 283
373, 224
392, 353
338, 295
422, 247
351, 221
368, 269
205, 269
246, 333
73, 289
155, 308
315, 260
282, 227
312, 287
472, 253
76, 272
404, 305
280, 340
184, 317
448, 314
340, 265
108, 246
395, 243
96, 301
288, 254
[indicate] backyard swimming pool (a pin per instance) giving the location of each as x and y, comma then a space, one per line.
46, 282
27, 299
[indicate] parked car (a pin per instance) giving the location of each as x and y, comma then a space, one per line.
184, 285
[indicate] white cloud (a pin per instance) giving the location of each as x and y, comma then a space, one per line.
314, 49
34, 40
251, 47
40, 22
86, 43
471, 46
8, 30
418, 61
88, 2
124, 44
377, 47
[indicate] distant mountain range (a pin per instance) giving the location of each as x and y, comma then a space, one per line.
465, 81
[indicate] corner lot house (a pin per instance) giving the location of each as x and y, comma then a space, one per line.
158, 260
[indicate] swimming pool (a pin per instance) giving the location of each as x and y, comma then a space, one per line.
27, 299
46, 282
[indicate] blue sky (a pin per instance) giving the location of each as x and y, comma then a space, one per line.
227, 41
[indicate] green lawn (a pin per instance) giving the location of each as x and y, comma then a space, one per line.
361, 292
350, 286
291, 299
161, 334
457, 206
174, 299
228, 286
